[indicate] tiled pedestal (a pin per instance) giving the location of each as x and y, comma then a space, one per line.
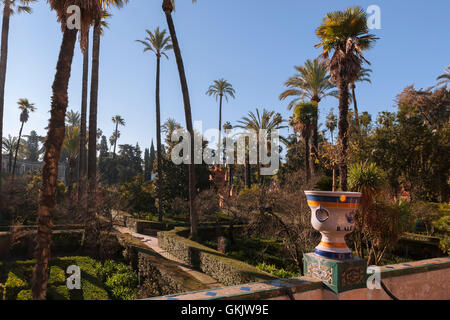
338, 275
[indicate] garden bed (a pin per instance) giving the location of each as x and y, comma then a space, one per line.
16, 278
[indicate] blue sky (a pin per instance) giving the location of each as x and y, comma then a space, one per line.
253, 44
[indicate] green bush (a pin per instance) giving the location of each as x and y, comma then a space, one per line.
58, 293
25, 295
57, 276
120, 281
14, 285
278, 272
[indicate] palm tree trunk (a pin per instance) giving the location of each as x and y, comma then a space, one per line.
82, 157
10, 161
343, 134
158, 139
55, 137
115, 139
308, 168
17, 150
3, 63
92, 147
168, 8
315, 143
355, 104
247, 171
70, 178
219, 149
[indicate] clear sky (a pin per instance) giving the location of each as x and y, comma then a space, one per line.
254, 44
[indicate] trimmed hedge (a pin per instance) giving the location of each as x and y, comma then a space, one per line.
222, 268
63, 242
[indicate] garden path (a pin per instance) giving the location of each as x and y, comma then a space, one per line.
152, 242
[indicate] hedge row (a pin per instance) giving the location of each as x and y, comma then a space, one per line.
222, 268
124, 219
63, 242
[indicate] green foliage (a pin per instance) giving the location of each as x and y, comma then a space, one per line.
120, 281
137, 196
58, 293
443, 226
365, 177
278, 272
25, 295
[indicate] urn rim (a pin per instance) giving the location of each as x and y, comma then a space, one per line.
333, 193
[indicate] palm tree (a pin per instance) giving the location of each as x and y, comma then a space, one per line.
117, 120
99, 25
220, 89
9, 8
227, 127
268, 121
25, 106
445, 77
363, 76
331, 123
168, 128
73, 118
345, 33
305, 114
71, 145
158, 43
313, 82
168, 7
90, 11
9, 145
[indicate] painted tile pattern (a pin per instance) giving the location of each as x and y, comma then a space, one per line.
270, 289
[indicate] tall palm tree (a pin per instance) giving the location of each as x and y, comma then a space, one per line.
305, 114
158, 43
345, 33
313, 82
99, 25
168, 7
267, 120
220, 89
9, 8
445, 77
26, 107
71, 145
117, 120
226, 127
363, 76
90, 11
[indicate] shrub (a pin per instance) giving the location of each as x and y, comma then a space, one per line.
14, 285
120, 281
25, 295
58, 293
278, 272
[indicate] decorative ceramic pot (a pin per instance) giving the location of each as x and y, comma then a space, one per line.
333, 216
